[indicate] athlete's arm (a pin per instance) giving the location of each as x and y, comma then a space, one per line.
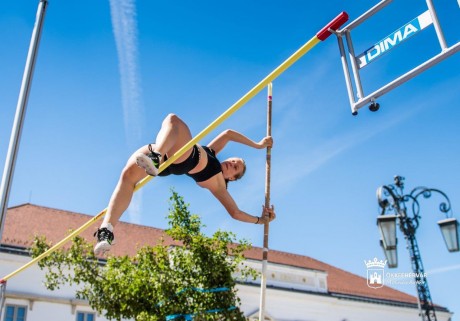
216, 185
268, 214
218, 143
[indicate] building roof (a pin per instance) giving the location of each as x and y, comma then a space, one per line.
25, 221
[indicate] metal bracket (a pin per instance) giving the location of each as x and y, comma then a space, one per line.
359, 99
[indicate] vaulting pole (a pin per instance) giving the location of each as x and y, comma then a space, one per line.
320, 36
263, 280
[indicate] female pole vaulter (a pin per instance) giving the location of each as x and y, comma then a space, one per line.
199, 162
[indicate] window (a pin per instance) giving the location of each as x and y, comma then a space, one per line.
85, 316
15, 313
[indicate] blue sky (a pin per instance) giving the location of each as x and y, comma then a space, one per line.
109, 71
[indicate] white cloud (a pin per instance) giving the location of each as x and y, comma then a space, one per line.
135, 208
123, 13
444, 269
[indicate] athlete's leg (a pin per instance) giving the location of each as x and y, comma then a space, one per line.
173, 135
119, 202
122, 195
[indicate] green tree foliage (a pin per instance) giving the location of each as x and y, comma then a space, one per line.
194, 281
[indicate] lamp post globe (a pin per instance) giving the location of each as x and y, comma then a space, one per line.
449, 230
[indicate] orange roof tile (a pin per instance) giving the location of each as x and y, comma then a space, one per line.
23, 222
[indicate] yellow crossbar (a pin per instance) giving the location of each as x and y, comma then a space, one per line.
243, 100
232, 109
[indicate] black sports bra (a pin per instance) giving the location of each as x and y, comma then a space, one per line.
212, 168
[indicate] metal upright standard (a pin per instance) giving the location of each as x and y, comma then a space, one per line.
391, 199
2, 296
8, 171
361, 60
20, 112
263, 280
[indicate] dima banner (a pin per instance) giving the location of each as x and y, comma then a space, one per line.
394, 39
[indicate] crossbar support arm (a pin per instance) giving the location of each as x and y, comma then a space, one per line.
407, 76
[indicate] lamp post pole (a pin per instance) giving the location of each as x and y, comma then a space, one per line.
391, 198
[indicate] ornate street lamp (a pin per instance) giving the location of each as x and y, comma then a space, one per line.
391, 254
395, 205
449, 230
387, 227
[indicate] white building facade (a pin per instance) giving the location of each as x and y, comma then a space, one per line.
27, 299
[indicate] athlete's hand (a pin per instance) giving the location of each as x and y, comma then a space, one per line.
268, 214
266, 142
